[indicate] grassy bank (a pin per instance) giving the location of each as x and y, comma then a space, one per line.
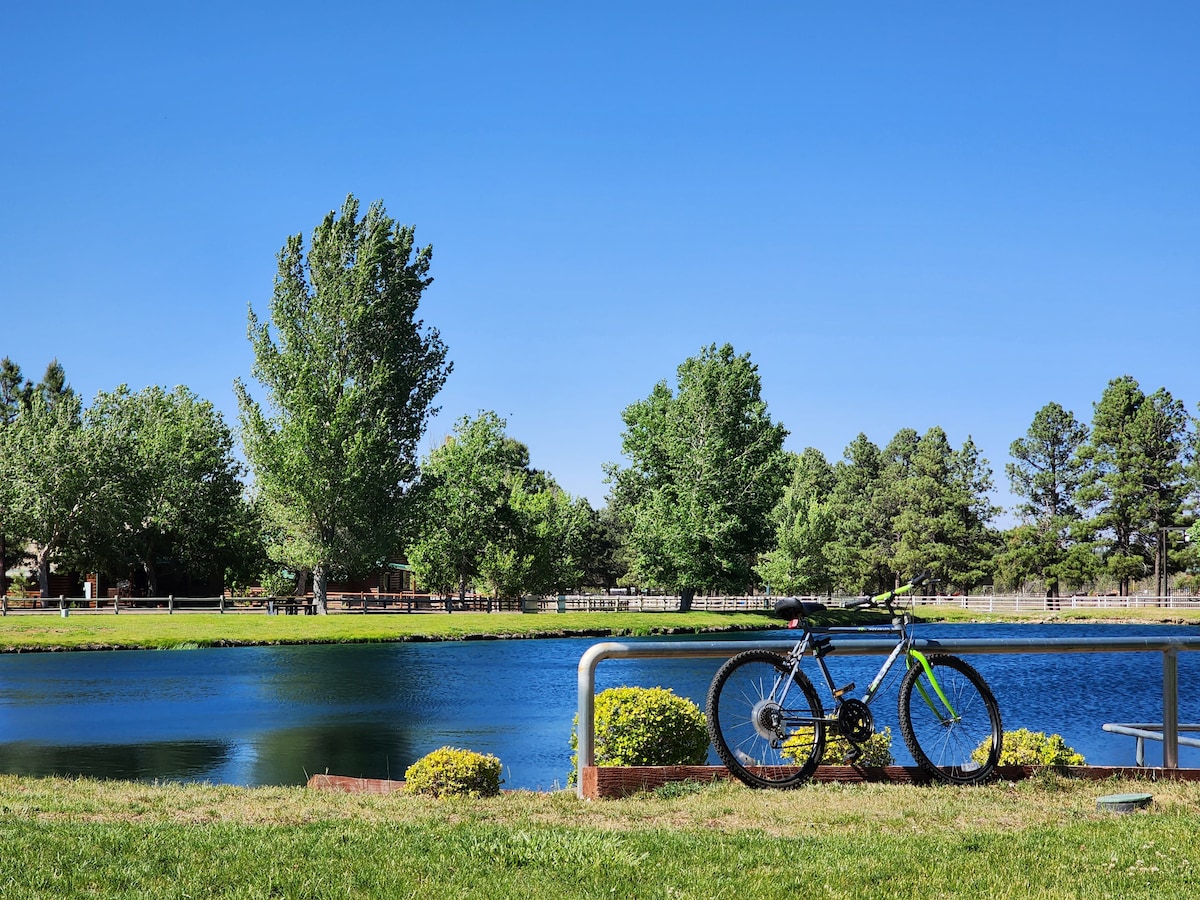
94, 631
1041, 838
162, 631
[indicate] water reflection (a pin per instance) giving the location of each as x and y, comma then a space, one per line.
185, 760
276, 715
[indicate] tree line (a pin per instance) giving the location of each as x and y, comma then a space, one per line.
147, 485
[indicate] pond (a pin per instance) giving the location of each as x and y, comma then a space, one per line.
276, 715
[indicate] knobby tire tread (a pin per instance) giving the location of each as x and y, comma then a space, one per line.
728, 707
974, 699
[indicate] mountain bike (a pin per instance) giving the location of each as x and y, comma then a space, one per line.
770, 729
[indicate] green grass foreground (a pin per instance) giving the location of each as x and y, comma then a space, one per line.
1039, 838
160, 631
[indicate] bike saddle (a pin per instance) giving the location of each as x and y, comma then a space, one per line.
795, 608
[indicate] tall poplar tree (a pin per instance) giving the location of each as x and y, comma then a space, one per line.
706, 469
350, 373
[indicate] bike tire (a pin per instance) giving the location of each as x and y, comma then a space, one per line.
762, 742
964, 749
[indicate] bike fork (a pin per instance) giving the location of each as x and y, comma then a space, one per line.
950, 715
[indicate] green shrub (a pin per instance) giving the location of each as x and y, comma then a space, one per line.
21, 587
874, 751
645, 727
449, 772
1031, 748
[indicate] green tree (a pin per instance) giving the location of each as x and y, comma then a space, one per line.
179, 485
943, 512
1139, 454
804, 531
707, 466
16, 397
462, 496
487, 518
860, 523
604, 560
11, 392
541, 544
16, 392
350, 373
1047, 472
65, 476
888, 501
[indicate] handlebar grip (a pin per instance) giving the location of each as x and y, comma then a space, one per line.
859, 603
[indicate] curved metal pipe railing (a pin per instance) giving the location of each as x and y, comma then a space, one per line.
1169, 647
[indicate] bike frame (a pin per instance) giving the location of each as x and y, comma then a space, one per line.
811, 644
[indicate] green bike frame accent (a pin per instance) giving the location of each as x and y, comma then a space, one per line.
920, 657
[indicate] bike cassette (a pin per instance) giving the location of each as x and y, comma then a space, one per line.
855, 722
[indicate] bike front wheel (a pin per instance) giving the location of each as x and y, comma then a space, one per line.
765, 720
950, 722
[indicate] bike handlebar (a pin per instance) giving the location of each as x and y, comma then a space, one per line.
886, 598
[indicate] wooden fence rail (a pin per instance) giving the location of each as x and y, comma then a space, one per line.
375, 603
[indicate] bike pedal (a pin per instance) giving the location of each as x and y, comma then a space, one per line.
840, 691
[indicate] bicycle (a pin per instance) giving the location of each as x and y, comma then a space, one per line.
769, 728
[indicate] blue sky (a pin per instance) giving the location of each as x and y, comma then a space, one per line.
909, 214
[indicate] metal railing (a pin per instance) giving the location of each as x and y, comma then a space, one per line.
1148, 731
1169, 647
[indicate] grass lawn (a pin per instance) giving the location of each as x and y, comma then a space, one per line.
158, 630
1039, 838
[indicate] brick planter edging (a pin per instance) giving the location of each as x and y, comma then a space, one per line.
349, 785
613, 782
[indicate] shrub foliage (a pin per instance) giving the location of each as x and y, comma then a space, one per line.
638, 726
874, 751
1032, 748
450, 772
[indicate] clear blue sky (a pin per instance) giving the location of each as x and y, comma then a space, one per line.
909, 214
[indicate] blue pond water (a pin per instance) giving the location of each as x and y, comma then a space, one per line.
275, 715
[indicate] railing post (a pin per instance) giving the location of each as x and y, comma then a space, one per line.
1171, 709
170, 604
585, 747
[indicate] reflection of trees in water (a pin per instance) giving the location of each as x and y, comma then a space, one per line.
167, 760
356, 676
360, 750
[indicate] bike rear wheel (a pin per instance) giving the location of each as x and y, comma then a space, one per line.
765, 721
959, 744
